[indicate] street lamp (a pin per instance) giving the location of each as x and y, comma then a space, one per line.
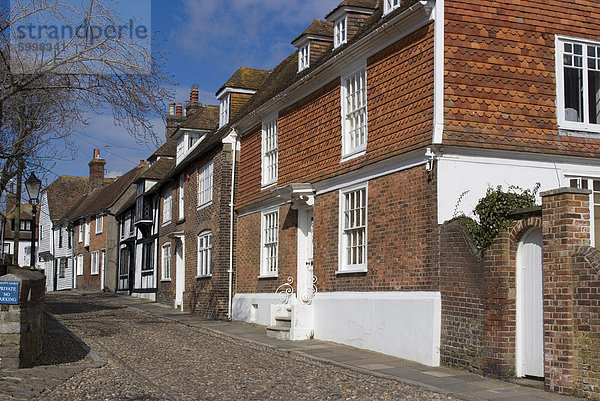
33, 185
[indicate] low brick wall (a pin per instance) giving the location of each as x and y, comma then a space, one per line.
21, 326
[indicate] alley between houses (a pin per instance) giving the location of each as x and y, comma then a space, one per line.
137, 356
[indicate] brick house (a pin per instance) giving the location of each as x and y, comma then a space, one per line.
196, 263
357, 148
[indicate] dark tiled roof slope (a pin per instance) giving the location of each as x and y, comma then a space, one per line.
167, 149
205, 118
63, 193
246, 78
158, 170
370, 4
318, 28
102, 198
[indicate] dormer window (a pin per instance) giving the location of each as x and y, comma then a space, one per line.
224, 110
303, 57
390, 5
186, 141
340, 32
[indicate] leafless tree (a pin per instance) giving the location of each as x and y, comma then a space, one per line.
58, 60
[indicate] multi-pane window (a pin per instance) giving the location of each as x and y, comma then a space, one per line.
269, 241
25, 225
148, 256
87, 233
62, 267
167, 205
166, 262
60, 237
594, 186
224, 111
79, 264
124, 266
304, 57
579, 95
354, 102
181, 203
340, 32
81, 232
353, 229
94, 267
204, 253
269, 152
389, 5
205, 184
99, 223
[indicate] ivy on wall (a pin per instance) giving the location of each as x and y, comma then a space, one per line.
493, 211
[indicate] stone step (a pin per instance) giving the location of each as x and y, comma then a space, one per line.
278, 332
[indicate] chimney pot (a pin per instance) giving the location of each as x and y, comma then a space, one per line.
194, 94
171, 109
96, 153
179, 109
141, 161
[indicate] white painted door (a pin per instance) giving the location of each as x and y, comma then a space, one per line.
179, 274
305, 255
530, 311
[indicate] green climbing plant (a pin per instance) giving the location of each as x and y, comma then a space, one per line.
493, 211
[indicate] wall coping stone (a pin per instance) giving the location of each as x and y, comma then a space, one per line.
565, 190
524, 212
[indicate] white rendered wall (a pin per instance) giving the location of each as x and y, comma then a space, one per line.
254, 308
402, 324
475, 171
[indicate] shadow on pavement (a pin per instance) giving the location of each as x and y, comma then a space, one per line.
61, 346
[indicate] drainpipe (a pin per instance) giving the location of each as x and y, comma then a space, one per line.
233, 150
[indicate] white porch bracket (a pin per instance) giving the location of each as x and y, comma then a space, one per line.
301, 195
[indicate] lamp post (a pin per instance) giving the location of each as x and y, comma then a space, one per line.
33, 185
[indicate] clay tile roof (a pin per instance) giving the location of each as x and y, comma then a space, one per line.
167, 149
158, 170
317, 28
246, 78
102, 198
205, 118
63, 193
369, 4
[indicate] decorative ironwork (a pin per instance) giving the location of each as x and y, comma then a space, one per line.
285, 291
307, 295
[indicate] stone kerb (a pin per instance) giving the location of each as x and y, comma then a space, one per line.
21, 325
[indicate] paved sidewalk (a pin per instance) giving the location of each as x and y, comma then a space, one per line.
448, 381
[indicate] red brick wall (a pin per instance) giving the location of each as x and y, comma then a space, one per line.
87, 281
500, 73
400, 110
207, 296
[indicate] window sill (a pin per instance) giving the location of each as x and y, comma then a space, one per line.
354, 154
181, 220
268, 185
98, 233
267, 276
204, 276
94, 274
165, 280
166, 223
350, 271
202, 206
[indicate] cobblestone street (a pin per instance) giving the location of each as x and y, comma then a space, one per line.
143, 357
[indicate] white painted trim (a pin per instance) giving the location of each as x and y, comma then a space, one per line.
230, 89
262, 205
317, 38
262, 243
267, 121
438, 71
357, 68
341, 265
345, 10
398, 27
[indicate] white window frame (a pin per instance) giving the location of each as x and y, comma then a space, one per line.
81, 232
353, 146
87, 233
181, 194
224, 108
166, 262
269, 246
304, 57
563, 123
205, 185
269, 152
94, 265
103, 260
204, 254
99, 223
79, 265
390, 5
340, 33
167, 205
343, 264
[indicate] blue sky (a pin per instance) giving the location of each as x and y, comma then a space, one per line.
205, 41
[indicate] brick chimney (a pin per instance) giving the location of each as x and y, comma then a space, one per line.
11, 201
96, 171
174, 119
194, 105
